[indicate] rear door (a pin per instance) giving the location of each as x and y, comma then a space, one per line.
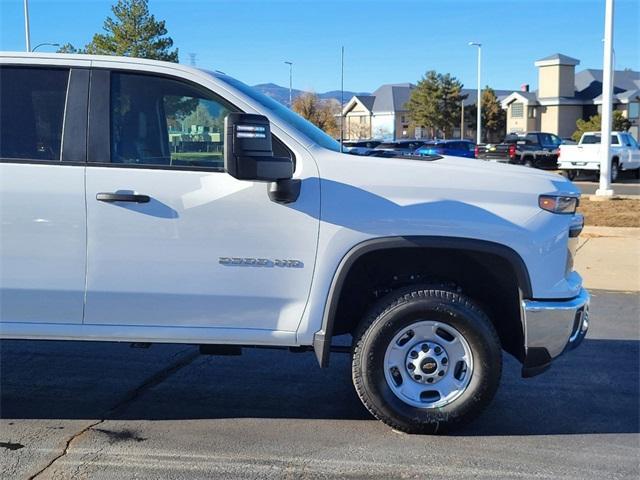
43, 113
175, 241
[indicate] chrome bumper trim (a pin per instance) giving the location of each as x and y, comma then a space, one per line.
556, 326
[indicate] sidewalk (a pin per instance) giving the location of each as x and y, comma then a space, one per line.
608, 258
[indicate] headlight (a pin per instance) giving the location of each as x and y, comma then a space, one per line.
558, 204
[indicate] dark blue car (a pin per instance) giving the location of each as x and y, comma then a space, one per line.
456, 148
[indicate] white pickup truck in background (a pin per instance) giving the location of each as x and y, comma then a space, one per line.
625, 155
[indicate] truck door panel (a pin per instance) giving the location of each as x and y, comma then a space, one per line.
166, 261
43, 226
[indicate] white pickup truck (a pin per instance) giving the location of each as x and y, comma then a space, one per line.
585, 156
144, 201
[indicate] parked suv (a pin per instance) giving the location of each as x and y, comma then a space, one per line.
145, 201
532, 149
455, 148
361, 147
400, 147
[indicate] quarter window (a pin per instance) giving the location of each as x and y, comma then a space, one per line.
164, 122
32, 103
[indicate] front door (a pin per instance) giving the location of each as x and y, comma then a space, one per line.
173, 240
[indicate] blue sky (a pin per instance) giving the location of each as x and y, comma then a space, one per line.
385, 41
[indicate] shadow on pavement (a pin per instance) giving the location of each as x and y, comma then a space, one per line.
594, 389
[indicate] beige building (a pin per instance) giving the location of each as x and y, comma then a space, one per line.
564, 96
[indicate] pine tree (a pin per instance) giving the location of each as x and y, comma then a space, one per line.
494, 117
435, 103
594, 124
133, 32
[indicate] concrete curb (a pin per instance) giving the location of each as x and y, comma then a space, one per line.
608, 258
590, 231
595, 198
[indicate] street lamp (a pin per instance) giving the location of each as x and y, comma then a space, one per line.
290, 82
27, 36
43, 44
479, 120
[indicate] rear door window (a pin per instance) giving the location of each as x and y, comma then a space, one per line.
545, 139
593, 138
32, 104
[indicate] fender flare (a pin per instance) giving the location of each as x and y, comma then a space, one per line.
322, 338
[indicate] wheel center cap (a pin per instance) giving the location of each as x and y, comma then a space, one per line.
428, 365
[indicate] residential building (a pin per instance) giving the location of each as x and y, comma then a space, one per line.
384, 114
564, 96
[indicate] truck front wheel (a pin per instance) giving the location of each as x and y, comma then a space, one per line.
426, 360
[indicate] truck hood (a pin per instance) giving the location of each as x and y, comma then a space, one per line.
519, 175
443, 178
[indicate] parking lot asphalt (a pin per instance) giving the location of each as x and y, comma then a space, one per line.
108, 411
626, 185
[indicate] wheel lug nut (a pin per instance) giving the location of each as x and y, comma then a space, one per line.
438, 350
441, 373
444, 361
430, 380
413, 354
425, 347
417, 377
411, 366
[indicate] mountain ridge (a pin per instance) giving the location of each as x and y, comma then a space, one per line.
281, 94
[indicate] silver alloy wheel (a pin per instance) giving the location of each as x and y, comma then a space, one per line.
428, 364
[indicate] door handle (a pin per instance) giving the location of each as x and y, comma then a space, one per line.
122, 197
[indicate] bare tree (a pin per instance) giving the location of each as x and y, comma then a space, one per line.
319, 112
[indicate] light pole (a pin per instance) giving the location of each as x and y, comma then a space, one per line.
290, 82
462, 120
342, 99
479, 120
27, 36
43, 44
605, 189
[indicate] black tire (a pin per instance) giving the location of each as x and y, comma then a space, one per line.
615, 171
401, 309
572, 174
528, 162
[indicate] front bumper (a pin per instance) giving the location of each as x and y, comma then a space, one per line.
551, 328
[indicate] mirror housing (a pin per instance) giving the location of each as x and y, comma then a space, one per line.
248, 153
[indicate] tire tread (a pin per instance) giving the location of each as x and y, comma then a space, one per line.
381, 308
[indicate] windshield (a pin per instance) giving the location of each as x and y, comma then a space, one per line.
305, 127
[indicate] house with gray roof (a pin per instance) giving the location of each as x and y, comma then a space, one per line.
564, 96
379, 115
384, 114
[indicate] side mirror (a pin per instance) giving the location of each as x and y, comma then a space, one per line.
248, 154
